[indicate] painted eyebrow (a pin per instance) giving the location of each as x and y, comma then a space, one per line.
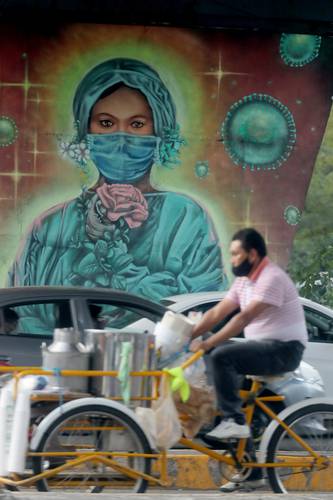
109, 115
104, 114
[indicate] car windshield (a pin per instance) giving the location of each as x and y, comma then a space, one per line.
107, 315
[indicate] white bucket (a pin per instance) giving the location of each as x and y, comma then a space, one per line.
173, 333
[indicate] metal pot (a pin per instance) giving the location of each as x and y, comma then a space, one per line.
66, 353
105, 348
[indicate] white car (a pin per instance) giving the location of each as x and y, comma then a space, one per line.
319, 321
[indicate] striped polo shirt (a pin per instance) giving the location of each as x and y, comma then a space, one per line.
284, 319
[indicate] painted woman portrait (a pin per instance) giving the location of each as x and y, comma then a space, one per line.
122, 233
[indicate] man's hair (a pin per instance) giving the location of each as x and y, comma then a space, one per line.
250, 238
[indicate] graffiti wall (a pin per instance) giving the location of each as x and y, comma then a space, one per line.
129, 155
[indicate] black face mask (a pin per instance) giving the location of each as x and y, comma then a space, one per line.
243, 269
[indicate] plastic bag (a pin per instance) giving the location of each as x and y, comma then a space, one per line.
195, 374
147, 420
161, 421
200, 409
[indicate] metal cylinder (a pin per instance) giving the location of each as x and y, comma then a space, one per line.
105, 349
66, 353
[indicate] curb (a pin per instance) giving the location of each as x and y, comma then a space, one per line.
193, 471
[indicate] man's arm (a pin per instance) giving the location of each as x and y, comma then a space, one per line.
214, 316
233, 327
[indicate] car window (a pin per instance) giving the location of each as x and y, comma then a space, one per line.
36, 319
319, 326
107, 315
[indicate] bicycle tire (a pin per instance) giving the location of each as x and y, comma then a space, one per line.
314, 423
132, 435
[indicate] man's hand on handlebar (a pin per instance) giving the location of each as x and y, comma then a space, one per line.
198, 345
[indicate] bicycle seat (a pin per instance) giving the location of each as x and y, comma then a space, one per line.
270, 378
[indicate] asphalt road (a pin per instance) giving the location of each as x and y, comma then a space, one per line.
157, 495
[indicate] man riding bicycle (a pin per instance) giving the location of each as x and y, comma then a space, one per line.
273, 321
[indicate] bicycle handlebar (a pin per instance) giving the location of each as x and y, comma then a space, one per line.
195, 356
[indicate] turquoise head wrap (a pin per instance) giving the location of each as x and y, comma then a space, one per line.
142, 77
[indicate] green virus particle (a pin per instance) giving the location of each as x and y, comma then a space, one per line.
299, 50
258, 132
8, 131
292, 215
201, 169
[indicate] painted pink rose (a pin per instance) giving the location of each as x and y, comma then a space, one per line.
124, 200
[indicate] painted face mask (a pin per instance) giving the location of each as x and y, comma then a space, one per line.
121, 157
243, 269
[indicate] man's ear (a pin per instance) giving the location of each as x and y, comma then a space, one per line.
253, 255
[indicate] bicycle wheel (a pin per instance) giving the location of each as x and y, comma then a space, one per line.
314, 424
92, 428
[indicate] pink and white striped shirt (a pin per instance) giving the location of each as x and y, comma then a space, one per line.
284, 319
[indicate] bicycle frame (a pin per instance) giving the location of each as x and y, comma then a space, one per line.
251, 396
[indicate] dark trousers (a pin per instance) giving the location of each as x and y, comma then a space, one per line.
231, 361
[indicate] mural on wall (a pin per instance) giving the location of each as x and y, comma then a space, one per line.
122, 233
129, 155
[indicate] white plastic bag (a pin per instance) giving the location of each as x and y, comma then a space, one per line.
195, 374
161, 421
147, 420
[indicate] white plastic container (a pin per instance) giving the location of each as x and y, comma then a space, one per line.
15, 421
7, 404
19, 432
173, 333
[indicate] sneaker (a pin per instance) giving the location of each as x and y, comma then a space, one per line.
229, 429
250, 485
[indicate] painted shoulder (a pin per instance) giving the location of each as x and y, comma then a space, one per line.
57, 213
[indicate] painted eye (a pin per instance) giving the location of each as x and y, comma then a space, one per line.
137, 124
106, 123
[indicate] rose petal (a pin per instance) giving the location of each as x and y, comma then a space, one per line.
103, 194
144, 203
124, 200
131, 223
113, 216
124, 207
139, 214
135, 218
126, 190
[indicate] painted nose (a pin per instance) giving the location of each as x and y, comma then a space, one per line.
121, 126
